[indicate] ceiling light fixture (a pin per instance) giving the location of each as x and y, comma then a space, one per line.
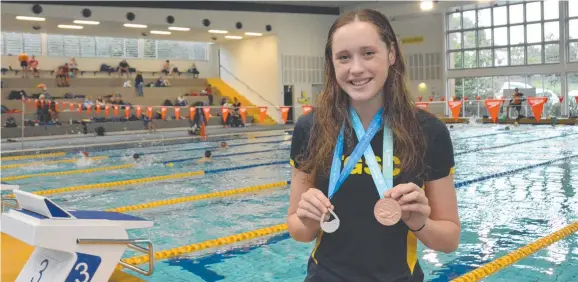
160, 32
23, 18
253, 34
218, 31
426, 5
135, 25
233, 37
67, 26
179, 28
86, 22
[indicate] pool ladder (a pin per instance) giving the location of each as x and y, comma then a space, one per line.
131, 243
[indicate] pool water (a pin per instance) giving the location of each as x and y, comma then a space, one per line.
498, 214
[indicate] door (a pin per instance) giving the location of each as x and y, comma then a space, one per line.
288, 101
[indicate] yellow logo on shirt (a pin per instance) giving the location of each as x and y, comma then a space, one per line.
362, 168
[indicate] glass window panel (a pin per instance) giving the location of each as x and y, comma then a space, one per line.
573, 29
516, 56
470, 87
534, 33
573, 52
552, 10
573, 8
470, 59
452, 85
552, 53
456, 60
552, 90
573, 92
454, 21
536, 80
485, 17
534, 54
501, 36
12, 43
485, 58
516, 34
533, 11
485, 37
551, 31
469, 19
500, 83
470, 39
516, 14
459, 88
485, 89
455, 40
500, 15
501, 57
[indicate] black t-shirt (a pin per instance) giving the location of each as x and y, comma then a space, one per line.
362, 249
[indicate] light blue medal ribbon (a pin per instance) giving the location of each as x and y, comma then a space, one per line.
383, 180
338, 176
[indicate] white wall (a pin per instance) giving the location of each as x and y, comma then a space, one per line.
251, 66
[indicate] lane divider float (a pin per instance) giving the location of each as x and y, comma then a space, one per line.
35, 156
68, 172
511, 144
515, 256
50, 162
145, 179
199, 197
179, 251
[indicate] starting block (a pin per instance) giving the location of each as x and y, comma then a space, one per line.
72, 246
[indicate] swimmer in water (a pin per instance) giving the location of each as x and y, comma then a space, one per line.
224, 145
507, 128
206, 158
136, 156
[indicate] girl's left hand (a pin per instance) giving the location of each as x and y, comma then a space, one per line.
413, 202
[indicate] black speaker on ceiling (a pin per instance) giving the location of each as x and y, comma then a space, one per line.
37, 9
130, 16
239, 25
206, 22
268, 27
86, 13
170, 19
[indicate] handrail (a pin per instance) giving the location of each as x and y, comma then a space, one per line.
130, 244
248, 87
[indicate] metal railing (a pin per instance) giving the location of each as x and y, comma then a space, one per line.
249, 87
130, 244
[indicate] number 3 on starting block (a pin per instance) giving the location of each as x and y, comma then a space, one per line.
84, 268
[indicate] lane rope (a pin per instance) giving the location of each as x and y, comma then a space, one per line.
144, 180
515, 256
231, 239
199, 197
35, 156
50, 162
512, 144
68, 172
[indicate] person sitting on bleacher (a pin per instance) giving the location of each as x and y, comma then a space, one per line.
117, 99
33, 66
100, 102
194, 71
23, 59
166, 67
63, 76
123, 67
181, 101
73, 66
162, 82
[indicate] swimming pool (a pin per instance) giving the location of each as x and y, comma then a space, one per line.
499, 213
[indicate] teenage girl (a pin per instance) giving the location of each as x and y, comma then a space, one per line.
366, 231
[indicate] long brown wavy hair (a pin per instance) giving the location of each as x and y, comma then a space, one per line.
331, 110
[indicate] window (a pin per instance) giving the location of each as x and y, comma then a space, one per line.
513, 34
572, 31
573, 94
13, 43
537, 85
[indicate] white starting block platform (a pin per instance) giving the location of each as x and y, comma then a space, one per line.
72, 246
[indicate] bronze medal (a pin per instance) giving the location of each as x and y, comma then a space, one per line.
387, 211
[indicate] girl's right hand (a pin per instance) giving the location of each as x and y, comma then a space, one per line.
312, 206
